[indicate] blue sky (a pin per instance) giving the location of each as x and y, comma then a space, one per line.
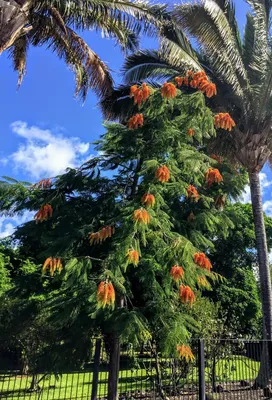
44, 129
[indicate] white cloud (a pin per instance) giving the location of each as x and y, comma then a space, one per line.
267, 207
245, 198
8, 224
265, 183
43, 154
3, 161
6, 229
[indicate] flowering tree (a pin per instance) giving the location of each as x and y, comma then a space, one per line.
128, 232
241, 69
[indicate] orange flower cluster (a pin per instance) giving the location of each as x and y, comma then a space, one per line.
179, 80
177, 272
163, 174
202, 282
213, 176
217, 158
141, 216
44, 184
44, 213
191, 132
53, 264
198, 80
148, 199
220, 201
224, 121
105, 294
103, 234
192, 193
136, 121
133, 257
186, 295
208, 88
140, 93
168, 90
202, 261
185, 352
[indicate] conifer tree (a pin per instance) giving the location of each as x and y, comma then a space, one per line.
129, 232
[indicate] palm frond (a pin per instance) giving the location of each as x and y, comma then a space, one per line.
259, 46
175, 56
139, 16
147, 64
176, 48
261, 7
18, 53
175, 42
208, 24
117, 29
248, 41
116, 106
89, 69
56, 15
262, 110
228, 7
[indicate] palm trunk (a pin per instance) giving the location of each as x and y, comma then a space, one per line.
13, 21
264, 273
261, 244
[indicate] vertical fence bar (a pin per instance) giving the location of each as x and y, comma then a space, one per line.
96, 368
201, 370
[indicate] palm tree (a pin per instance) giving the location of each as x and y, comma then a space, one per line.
242, 71
55, 23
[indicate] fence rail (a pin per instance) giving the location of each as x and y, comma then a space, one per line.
222, 369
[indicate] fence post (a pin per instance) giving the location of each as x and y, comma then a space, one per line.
201, 370
96, 368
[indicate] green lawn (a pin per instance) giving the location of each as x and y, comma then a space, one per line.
236, 369
78, 385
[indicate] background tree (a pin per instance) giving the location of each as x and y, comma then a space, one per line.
55, 24
239, 295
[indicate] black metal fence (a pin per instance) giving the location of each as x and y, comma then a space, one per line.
225, 369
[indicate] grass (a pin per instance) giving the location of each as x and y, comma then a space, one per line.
78, 385
236, 369
68, 386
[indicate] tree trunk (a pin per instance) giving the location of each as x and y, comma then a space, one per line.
13, 21
34, 383
158, 374
264, 273
96, 369
213, 373
25, 367
114, 363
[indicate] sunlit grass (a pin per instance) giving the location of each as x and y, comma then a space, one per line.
78, 385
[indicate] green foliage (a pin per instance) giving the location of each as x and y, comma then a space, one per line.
105, 192
5, 280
